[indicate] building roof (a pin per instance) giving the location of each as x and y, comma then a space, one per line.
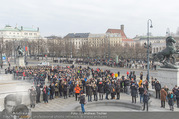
77, 35
125, 40
10, 28
117, 31
96, 35
29, 29
151, 38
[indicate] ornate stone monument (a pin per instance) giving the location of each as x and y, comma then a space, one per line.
168, 73
21, 61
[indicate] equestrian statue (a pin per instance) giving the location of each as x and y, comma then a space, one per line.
166, 55
20, 51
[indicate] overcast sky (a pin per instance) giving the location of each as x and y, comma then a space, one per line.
60, 17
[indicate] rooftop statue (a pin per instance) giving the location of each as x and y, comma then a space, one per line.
166, 55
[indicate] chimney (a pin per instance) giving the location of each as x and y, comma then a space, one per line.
21, 27
37, 28
122, 27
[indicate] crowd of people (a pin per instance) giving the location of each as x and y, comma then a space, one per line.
129, 63
96, 84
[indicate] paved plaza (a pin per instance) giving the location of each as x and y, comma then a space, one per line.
69, 104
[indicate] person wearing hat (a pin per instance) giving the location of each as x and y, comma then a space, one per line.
101, 90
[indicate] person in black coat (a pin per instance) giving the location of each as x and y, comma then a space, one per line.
113, 90
141, 75
157, 89
38, 93
82, 102
89, 93
146, 99
65, 90
118, 90
71, 89
153, 83
83, 83
87, 86
141, 92
60, 89
107, 90
45, 94
101, 90
95, 89
52, 90
177, 97
133, 93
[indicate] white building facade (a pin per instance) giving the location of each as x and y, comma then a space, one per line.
19, 33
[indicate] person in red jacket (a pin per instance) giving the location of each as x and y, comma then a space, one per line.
24, 75
127, 74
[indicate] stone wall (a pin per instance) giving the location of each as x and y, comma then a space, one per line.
169, 77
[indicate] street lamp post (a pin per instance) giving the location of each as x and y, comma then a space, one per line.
1, 50
149, 22
71, 48
109, 49
14, 41
168, 32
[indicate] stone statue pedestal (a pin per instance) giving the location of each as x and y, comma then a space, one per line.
21, 62
168, 77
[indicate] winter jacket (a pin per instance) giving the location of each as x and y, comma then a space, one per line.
141, 90
177, 94
163, 95
82, 99
157, 86
171, 99
133, 91
101, 87
77, 89
146, 98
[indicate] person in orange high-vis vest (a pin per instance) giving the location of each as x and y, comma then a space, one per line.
77, 91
